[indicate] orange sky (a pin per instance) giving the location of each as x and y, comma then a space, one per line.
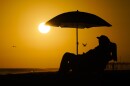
19, 20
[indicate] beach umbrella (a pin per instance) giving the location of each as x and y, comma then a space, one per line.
77, 20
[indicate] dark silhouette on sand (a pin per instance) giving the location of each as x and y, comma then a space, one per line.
93, 61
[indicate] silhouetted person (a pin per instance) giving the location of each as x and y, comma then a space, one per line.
95, 60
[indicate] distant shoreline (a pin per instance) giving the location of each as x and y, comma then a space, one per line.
110, 66
5, 71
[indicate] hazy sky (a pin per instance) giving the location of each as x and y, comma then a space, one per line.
19, 20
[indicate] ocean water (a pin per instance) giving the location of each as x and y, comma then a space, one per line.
5, 71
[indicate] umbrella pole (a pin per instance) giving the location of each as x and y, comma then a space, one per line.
77, 41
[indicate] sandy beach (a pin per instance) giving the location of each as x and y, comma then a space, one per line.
53, 78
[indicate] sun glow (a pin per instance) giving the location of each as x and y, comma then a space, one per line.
43, 28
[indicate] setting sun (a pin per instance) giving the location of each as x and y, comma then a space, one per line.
43, 28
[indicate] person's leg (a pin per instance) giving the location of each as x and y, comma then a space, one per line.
66, 61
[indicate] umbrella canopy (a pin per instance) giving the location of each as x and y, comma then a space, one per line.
77, 19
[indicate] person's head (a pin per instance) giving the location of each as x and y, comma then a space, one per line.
103, 40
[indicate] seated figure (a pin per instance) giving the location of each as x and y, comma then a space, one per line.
95, 60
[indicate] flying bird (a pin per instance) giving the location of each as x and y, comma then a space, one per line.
13, 46
84, 44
